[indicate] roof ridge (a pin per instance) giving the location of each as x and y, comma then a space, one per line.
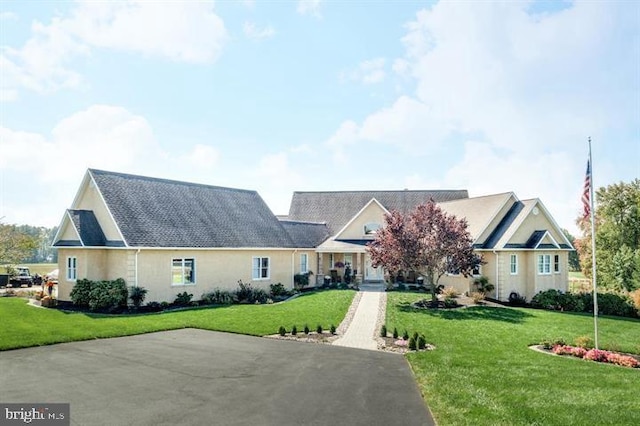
165, 180
380, 190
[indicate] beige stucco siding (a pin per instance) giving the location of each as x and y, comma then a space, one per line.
533, 223
214, 269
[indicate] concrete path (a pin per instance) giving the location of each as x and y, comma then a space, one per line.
361, 333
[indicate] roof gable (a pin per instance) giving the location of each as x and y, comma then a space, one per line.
338, 208
373, 212
152, 212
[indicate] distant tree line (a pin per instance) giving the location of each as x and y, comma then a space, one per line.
27, 244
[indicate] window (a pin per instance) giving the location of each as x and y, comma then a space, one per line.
260, 268
544, 264
183, 271
72, 268
514, 264
556, 264
477, 270
371, 228
304, 263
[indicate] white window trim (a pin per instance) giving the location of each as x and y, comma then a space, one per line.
304, 266
182, 259
544, 268
72, 270
260, 278
513, 261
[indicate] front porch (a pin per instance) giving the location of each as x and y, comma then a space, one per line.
346, 262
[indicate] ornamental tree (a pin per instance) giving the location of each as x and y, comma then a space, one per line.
427, 241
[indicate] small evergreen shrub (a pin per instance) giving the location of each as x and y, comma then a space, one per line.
164, 305
183, 299
395, 333
415, 335
80, 293
154, 306
306, 329
294, 330
412, 344
282, 331
422, 342
584, 342
515, 299
319, 329
332, 329
278, 290
106, 296
383, 331
218, 297
405, 335
550, 343
450, 302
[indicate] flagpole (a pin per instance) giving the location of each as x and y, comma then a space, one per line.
593, 252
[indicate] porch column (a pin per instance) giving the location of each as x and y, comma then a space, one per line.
360, 274
320, 274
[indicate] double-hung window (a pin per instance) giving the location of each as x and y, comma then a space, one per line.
260, 270
183, 271
304, 263
72, 268
544, 264
556, 264
514, 264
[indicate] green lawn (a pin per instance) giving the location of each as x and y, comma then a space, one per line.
482, 373
24, 326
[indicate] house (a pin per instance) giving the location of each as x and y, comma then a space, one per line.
170, 236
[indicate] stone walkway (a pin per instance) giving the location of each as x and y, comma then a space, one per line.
370, 312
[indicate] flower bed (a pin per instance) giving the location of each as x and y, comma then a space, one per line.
597, 355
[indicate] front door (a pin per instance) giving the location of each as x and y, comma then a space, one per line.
371, 273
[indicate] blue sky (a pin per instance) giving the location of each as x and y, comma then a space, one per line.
279, 96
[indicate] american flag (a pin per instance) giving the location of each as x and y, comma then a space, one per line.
586, 193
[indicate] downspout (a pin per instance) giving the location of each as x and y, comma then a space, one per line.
293, 267
136, 271
497, 276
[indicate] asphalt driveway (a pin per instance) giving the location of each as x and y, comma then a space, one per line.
198, 377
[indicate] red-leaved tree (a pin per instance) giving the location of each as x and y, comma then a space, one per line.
427, 241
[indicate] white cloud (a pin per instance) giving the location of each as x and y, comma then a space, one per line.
367, 72
8, 16
252, 32
201, 156
515, 93
178, 31
309, 7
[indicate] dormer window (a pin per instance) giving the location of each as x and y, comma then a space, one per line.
371, 228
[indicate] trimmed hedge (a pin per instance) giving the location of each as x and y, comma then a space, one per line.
608, 303
106, 296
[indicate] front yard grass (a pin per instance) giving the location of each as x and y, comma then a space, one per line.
25, 326
482, 372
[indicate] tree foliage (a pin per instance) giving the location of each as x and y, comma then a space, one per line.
15, 245
574, 259
617, 218
427, 241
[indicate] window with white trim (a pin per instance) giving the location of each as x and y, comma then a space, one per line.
304, 263
513, 264
371, 228
477, 270
260, 269
183, 271
72, 268
556, 263
544, 264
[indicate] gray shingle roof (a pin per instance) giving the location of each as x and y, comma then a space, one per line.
306, 234
88, 227
152, 212
338, 207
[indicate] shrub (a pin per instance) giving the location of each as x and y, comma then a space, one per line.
483, 285
550, 343
247, 294
294, 330
635, 298
412, 344
306, 329
100, 295
218, 297
450, 293
332, 329
182, 299
405, 335
154, 306
137, 295
319, 329
282, 331
450, 302
596, 355
278, 290
395, 333
300, 281
515, 299
548, 299
422, 342
164, 305
615, 304
584, 342
80, 293
415, 335
383, 331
